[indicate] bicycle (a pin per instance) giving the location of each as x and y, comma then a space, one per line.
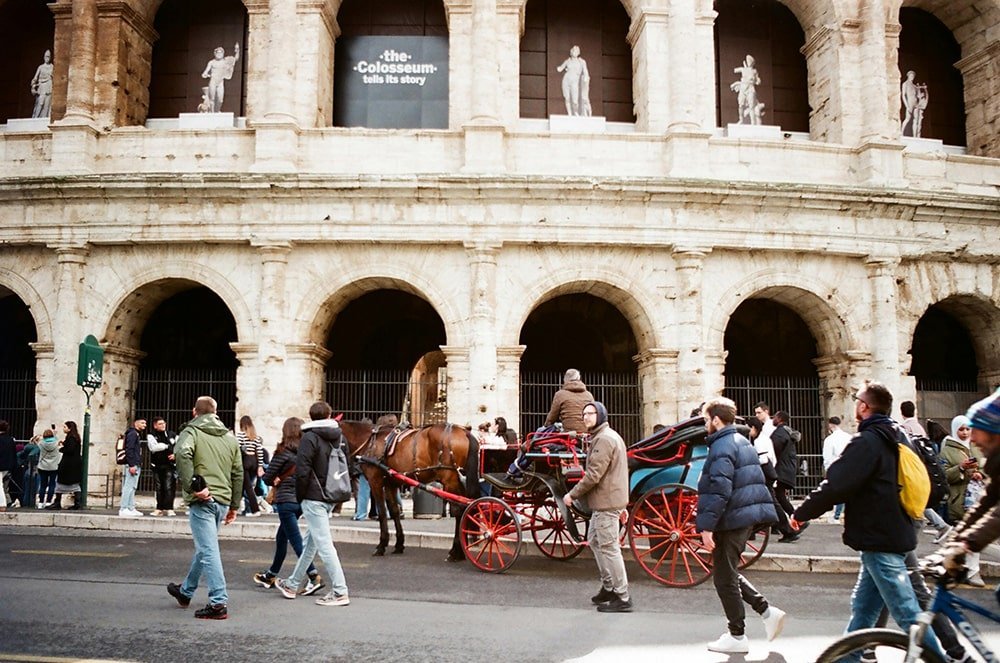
945, 602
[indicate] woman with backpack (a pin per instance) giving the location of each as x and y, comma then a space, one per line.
252, 446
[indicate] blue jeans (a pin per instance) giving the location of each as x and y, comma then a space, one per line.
205, 519
884, 579
288, 533
319, 541
364, 499
47, 489
837, 511
129, 483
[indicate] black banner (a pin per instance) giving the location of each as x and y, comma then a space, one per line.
391, 82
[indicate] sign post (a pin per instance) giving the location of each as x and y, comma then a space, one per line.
90, 376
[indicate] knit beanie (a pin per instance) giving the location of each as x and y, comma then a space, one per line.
985, 414
602, 413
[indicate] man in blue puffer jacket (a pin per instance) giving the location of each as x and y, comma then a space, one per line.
732, 501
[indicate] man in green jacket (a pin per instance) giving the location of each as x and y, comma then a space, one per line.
207, 452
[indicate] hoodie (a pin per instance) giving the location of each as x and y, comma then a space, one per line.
48, 461
567, 406
313, 458
206, 447
605, 482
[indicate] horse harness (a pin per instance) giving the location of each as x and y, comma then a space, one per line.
399, 434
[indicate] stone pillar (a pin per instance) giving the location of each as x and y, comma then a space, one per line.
981, 81
840, 375
683, 54
461, 404
649, 35
74, 137
124, 68
509, 29
508, 398
61, 47
113, 406
878, 47
484, 135
318, 32
885, 348
715, 372
304, 376
460, 61
256, 53
690, 388
277, 133
482, 385
45, 381
657, 385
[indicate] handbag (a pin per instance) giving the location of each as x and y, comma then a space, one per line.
272, 492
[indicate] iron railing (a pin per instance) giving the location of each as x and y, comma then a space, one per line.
17, 400
371, 393
618, 391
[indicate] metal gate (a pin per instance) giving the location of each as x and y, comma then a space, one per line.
618, 391
17, 401
942, 400
371, 393
171, 392
800, 397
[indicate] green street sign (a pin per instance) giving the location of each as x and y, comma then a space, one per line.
90, 368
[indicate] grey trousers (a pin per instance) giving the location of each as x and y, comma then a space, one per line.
603, 539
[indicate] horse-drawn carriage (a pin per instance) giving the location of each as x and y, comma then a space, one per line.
660, 530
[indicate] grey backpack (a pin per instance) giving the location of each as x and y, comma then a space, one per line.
338, 475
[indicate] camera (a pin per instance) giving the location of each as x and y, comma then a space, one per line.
197, 483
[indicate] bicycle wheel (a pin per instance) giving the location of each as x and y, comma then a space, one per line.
887, 644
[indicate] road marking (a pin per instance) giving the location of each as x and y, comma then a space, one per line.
67, 553
26, 658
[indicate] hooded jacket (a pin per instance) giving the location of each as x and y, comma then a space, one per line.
48, 460
731, 490
605, 481
567, 406
865, 479
206, 447
313, 459
953, 454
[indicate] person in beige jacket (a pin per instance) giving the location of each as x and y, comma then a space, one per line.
568, 402
604, 487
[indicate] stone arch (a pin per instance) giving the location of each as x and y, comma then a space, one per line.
828, 316
16, 284
318, 311
604, 284
972, 22
131, 305
980, 316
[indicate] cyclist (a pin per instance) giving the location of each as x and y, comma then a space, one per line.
981, 526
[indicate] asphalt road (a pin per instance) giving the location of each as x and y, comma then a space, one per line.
63, 594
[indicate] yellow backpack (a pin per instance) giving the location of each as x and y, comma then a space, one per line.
914, 482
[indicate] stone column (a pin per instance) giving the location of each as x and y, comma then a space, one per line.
45, 381
461, 404
715, 372
62, 12
508, 398
124, 66
649, 36
113, 406
318, 32
74, 137
839, 376
482, 385
657, 384
690, 388
878, 47
885, 348
277, 133
256, 53
304, 376
460, 61
509, 29
981, 81
683, 53
484, 135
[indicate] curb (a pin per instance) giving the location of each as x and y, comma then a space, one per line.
264, 531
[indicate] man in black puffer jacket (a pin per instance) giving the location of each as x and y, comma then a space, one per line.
865, 479
732, 500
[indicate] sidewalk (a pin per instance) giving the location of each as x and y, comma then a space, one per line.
819, 550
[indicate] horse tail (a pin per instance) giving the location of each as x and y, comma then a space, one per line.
472, 490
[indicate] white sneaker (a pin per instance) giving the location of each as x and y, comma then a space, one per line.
137, 514
171, 513
39, 505
730, 644
774, 621
252, 515
943, 534
156, 513
332, 599
126, 513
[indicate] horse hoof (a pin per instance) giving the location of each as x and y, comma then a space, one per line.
378, 553
455, 558
397, 551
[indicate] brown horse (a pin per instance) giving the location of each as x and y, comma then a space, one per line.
432, 453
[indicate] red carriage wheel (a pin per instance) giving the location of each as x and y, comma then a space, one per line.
755, 546
490, 535
551, 534
663, 538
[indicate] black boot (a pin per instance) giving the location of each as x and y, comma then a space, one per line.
76, 502
55, 506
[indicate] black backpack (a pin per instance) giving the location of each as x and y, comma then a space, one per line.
939, 483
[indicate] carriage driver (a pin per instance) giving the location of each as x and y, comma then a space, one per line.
604, 487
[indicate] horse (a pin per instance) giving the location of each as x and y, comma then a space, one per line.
431, 453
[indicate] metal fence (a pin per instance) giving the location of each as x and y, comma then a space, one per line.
942, 400
361, 393
171, 392
618, 391
800, 397
17, 400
